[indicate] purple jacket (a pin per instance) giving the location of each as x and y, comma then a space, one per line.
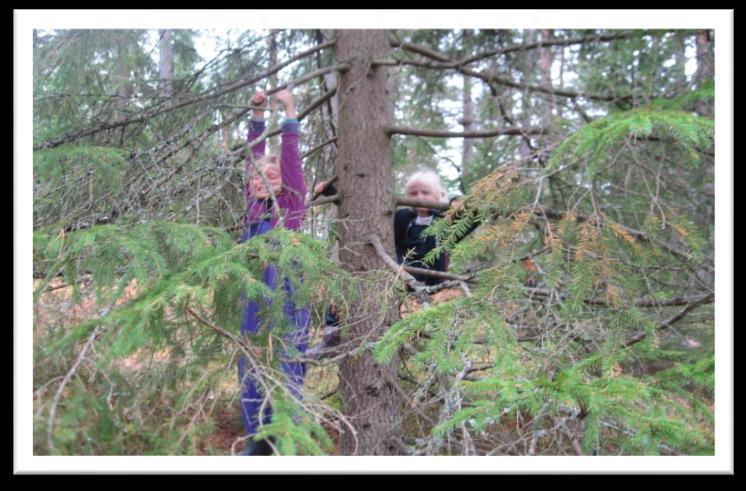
291, 199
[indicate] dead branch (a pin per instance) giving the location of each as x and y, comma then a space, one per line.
149, 113
400, 130
668, 323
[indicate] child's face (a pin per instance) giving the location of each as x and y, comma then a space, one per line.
273, 177
422, 192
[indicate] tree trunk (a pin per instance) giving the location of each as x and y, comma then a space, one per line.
548, 107
705, 68
366, 189
528, 69
679, 67
545, 67
705, 59
124, 83
468, 117
226, 138
273, 145
166, 64
329, 115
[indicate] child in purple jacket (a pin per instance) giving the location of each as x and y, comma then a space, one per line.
284, 175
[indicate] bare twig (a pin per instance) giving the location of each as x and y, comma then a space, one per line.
319, 147
61, 388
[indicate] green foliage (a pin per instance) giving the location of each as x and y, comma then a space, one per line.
410, 326
187, 278
594, 144
78, 72
294, 432
687, 100
71, 177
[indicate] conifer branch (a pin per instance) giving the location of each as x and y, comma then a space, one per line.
399, 201
400, 130
403, 201
446, 63
669, 322
558, 215
546, 43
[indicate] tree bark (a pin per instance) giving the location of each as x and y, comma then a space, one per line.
366, 189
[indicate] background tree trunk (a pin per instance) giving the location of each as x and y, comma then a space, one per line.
528, 64
705, 58
367, 203
273, 144
545, 68
467, 122
166, 64
124, 83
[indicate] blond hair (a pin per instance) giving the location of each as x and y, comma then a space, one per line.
268, 160
430, 179
264, 162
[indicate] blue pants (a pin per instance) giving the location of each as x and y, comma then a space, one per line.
251, 394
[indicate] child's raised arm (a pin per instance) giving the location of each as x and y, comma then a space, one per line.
256, 125
290, 164
256, 128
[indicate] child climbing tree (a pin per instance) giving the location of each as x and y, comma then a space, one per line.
579, 318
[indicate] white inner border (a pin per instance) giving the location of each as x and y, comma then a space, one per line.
26, 20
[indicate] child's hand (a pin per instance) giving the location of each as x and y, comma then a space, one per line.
319, 187
287, 100
259, 99
284, 97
